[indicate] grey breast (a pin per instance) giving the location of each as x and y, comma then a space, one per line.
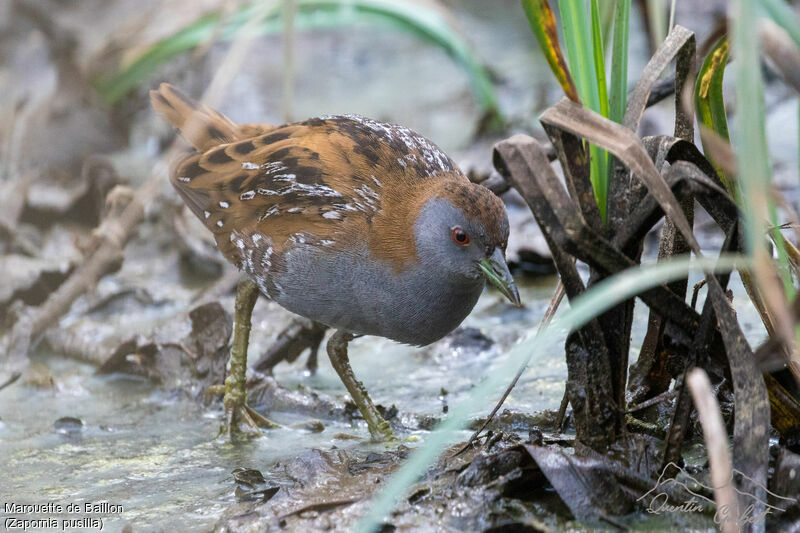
356, 293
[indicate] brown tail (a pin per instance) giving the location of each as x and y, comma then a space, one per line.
200, 125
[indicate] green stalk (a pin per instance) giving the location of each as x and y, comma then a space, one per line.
618, 88
784, 16
750, 141
657, 21
602, 95
575, 25
599, 60
709, 101
543, 25
619, 62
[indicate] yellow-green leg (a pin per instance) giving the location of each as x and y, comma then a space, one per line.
337, 351
240, 417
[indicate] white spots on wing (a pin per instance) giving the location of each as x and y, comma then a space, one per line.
268, 168
378, 183
249, 195
287, 184
369, 196
255, 256
299, 238
303, 237
269, 212
410, 158
402, 162
345, 207
237, 239
274, 166
296, 210
266, 259
206, 214
279, 182
224, 205
434, 158
305, 189
316, 190
333, 215
263, 285
184, 179
278, 287
219, 223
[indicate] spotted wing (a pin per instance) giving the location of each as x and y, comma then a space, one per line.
282, 185
315, 182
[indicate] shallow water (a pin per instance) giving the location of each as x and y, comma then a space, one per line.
155, 454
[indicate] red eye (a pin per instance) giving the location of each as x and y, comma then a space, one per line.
460, 237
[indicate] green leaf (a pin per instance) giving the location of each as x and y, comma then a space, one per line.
543, 24
599, 60
750, 139
576, 28
618, 92
784, 16
710, 103
601, 156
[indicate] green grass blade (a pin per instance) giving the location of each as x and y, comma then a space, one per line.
427, 23
576, 29
592, 303
671, 17
599, 60
607, 10
709, 101
618, 92
784, 16
750, 140
543, 24
575, 26
618, 88
656, 18
601, 156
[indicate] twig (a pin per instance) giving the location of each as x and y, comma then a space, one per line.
716, 439
555, 301
696, 290
562, 411
14, 377
666, 395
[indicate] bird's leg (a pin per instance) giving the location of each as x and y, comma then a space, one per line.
337, 351
239, 415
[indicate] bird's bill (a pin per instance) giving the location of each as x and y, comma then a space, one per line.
496, 271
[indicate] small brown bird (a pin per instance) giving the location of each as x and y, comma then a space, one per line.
366, 227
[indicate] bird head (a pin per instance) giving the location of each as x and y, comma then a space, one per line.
463, 228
